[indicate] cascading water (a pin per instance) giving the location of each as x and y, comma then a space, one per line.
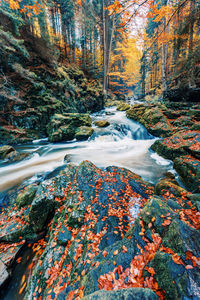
124, 143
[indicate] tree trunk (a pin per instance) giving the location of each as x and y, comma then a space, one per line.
104, 48
164, 63
190, 47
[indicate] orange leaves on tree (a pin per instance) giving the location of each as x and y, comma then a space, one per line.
29, 10
114, 8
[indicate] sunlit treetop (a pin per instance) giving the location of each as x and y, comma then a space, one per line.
30, 9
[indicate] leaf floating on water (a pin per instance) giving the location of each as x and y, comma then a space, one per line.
22, 288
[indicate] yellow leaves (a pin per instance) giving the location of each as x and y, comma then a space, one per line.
79, 2
14, 4
164, 11
129, 51
29, 10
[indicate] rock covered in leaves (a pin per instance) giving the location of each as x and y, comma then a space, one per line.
170, 186
93, 214
189, 169
178, 125
94, 243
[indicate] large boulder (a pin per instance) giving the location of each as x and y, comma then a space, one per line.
4, 275
83, 133
93, 215
6, 150
26, 196
178, 144
123, 107
189, 169
64, 127
102, 123
152, 117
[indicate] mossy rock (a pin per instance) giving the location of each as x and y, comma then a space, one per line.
171, 277
112, 103
189, 170
123, 294
5, 151
171, 186
64, 133
102, 123
64, 127
180, 237
123, 107
41, 208
83, 133
154, 208
166, 151
16, 156
26, 196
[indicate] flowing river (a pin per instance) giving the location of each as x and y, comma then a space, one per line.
124, 143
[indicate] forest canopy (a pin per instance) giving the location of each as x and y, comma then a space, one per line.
148, 46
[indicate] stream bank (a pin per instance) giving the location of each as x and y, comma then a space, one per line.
178, 125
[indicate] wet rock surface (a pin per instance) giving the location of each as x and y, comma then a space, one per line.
11, 155
92, 242
102, 123
66, 127
53, 90
178, 125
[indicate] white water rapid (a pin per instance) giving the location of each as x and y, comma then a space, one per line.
124, 143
